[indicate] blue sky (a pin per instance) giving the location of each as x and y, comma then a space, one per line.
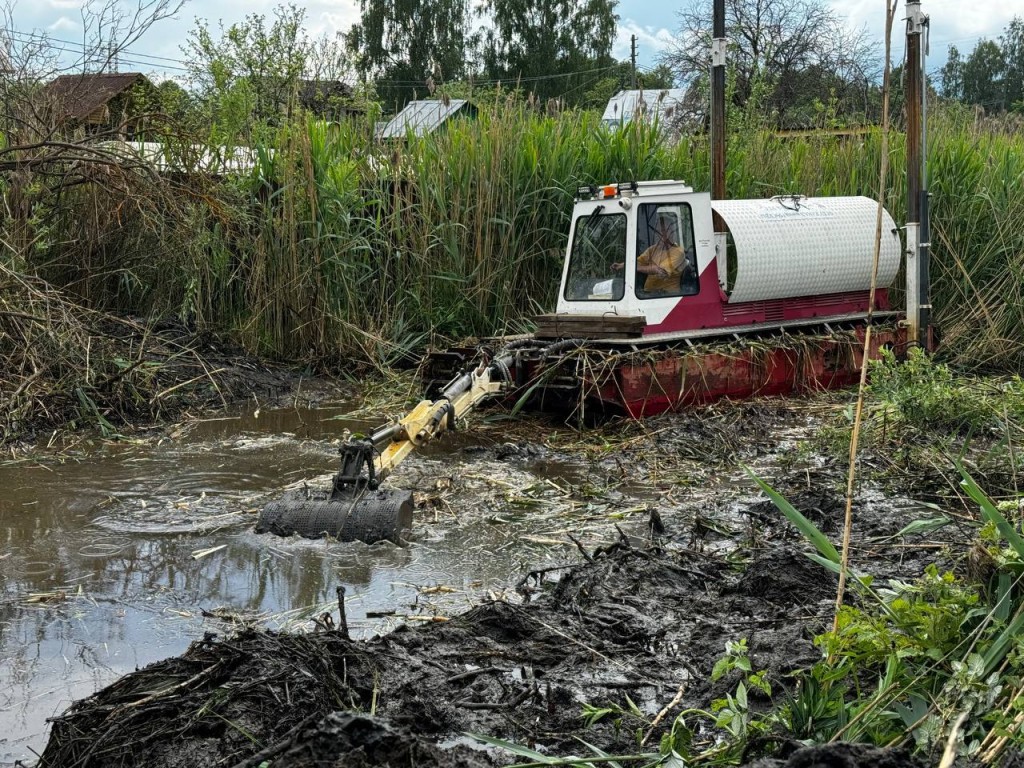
652, 21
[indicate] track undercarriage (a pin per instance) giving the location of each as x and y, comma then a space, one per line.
644, 377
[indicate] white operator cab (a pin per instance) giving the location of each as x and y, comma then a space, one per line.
636, 249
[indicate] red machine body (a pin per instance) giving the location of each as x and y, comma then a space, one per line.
660, 312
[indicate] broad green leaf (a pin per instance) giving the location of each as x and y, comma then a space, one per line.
924, 525
722, 666
1001, 645
509, 746
1001, 612
991, 512
824, 562
805, 526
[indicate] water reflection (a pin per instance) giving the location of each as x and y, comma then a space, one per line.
111, 558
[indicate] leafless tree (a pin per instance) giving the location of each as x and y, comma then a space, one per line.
784, 55
43, 153
32, 59
89, 225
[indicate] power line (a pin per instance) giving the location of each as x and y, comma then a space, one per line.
131, 57
49, 40
508, 80
80, 49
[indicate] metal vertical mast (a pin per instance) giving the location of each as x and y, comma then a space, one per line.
918, 230
718, 48
632, 61
718, 104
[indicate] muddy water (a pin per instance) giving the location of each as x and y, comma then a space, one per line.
122, 554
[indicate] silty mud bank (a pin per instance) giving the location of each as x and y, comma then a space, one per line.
537, 580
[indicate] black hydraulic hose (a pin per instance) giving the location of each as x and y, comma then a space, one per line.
449, 411
461, 383
501, 367
518, 344
457, 386
384, 436
561, 346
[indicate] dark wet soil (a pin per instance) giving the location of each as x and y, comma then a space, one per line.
353, 741
643, 619
842, 756
616, 618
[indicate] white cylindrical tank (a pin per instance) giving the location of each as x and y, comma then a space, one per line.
799, 246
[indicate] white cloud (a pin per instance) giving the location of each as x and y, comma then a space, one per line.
650, 41
337, 17
64, 24
951, 22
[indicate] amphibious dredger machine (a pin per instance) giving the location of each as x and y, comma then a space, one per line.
668, 298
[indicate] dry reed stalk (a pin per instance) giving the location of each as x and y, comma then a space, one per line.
890, 13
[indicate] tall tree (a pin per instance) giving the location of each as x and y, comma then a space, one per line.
951, 76
409, 46
1012, 44
786, 55
551, 48
983, 74
992, 75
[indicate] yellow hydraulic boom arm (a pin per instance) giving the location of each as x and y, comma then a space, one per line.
365, 462
355, 509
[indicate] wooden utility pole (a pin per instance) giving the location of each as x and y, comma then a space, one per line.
632, 60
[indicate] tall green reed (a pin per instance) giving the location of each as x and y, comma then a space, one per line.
336, 247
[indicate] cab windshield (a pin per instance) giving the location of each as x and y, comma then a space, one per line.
597, 257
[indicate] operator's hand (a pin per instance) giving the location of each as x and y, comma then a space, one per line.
617, 266
661, 271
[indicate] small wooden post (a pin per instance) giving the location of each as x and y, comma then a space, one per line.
342, 620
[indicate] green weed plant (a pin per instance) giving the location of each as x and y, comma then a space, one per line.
920, 411
910, 658
908, 663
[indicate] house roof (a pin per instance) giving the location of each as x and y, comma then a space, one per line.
625, 105
76, 96
423, 117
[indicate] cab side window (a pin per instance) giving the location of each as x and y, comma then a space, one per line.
666, 263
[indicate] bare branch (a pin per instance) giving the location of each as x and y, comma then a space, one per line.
789, 56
